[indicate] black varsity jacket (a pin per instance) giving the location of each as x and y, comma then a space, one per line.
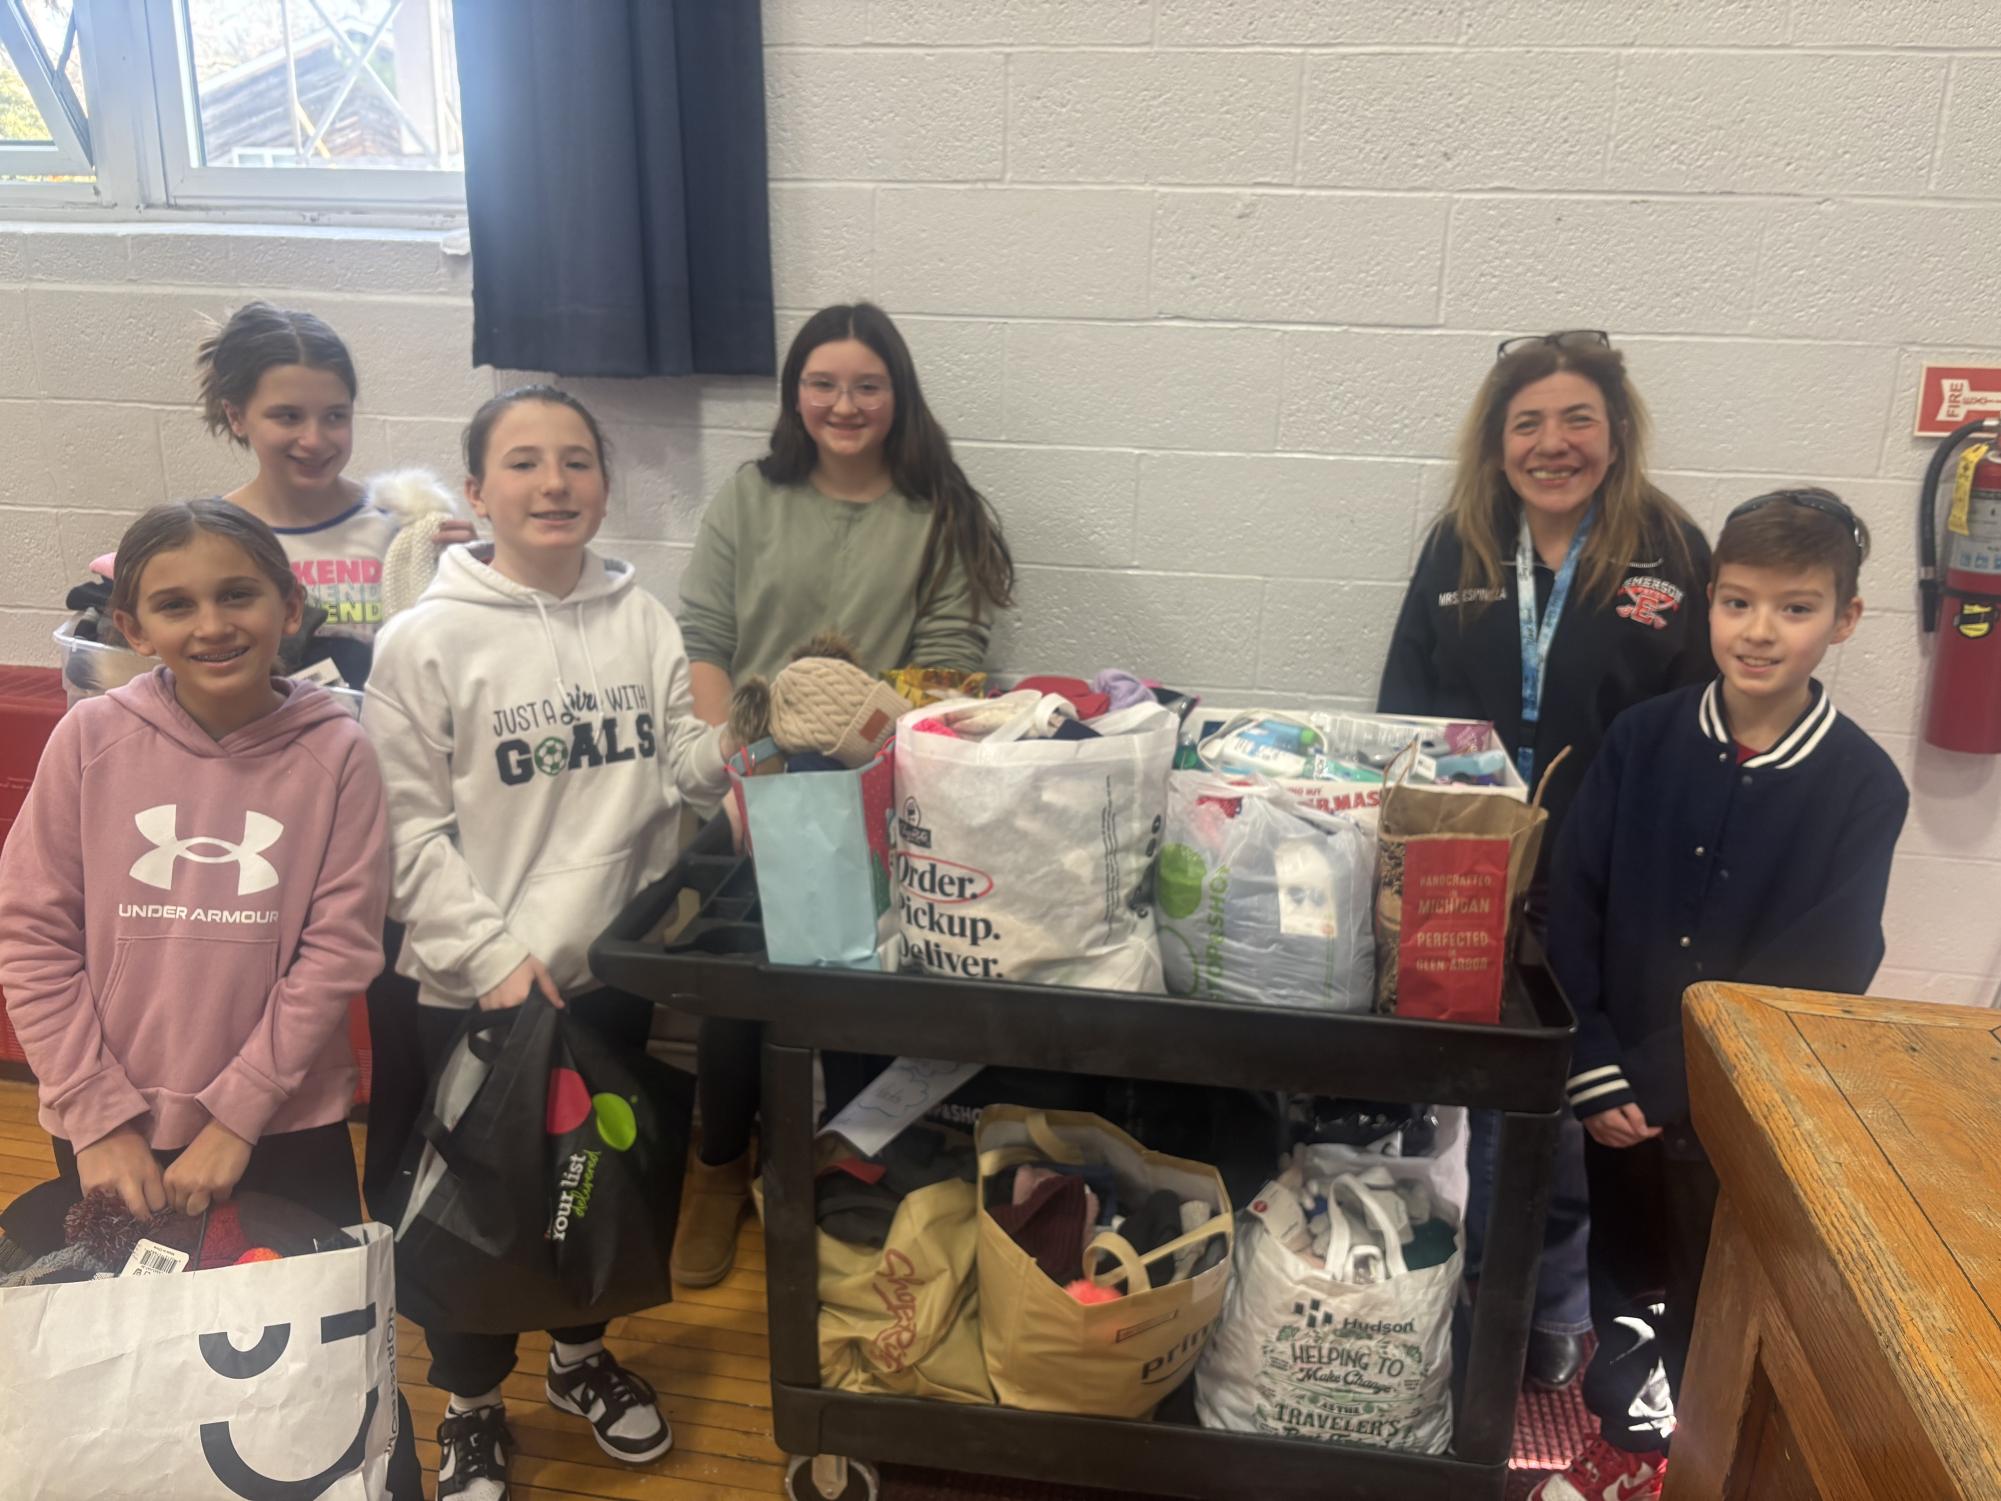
1679, 864
1607, 655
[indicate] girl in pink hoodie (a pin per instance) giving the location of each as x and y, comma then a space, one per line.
194, 892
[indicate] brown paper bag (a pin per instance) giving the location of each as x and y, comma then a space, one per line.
1451, 871
1047, 1352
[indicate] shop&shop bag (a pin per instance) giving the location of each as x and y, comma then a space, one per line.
1031, 859
819, 842
243, 1383
1451, 872
1047, 1352
544, 1181
1353, 1347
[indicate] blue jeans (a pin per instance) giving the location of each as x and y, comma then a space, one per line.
1563, 1284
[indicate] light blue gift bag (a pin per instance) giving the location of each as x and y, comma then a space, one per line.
821, 847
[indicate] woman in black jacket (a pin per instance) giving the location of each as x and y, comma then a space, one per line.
1559, 587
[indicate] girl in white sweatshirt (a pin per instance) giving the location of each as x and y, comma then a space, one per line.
532, 716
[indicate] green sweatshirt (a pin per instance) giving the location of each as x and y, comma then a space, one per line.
776, 564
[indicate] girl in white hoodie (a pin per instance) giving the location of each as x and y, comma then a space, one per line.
532, 716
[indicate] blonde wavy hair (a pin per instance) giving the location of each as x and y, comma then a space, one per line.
1633, 512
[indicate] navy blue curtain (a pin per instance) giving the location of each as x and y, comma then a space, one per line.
615, 186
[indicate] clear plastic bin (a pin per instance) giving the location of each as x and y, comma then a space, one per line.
91, 668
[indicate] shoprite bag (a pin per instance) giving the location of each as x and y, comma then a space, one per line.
819, 842
903, 1320
244, 1383
544, 1180
1030, 859
1354, 1347
1046, 1351
1451, 872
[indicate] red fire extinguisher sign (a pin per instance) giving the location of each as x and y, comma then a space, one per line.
1951, 394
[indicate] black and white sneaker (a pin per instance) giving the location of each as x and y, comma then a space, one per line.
622, 1408
472, 1454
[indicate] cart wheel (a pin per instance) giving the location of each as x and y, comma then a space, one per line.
828, 1477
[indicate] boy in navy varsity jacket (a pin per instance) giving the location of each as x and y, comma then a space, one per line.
1740, 830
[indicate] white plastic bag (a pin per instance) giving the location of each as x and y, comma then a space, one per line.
1264, 900
1028, 859
265, 1381
1355, 1348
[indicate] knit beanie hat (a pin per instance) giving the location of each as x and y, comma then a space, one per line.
827, 705
415, 497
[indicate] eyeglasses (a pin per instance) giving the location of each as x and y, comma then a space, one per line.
871, 393
1569, 338
1813, 499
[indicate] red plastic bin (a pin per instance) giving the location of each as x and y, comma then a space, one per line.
31, 701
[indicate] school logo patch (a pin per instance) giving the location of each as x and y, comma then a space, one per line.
1650, 600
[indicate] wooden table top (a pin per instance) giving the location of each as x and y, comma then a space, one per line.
1860, 1142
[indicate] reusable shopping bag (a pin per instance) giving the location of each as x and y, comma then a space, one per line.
245, 1383
1262, 899
904, 1320
1450, 873
1046, 1351
1030, 859
1356, 1345
819, 842
544, 1180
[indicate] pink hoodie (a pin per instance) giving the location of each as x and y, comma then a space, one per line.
183, 921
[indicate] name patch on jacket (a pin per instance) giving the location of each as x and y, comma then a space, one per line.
1650, 599
540, 737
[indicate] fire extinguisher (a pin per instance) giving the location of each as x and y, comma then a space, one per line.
1964, 610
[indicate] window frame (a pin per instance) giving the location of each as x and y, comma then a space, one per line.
68, 151
143, 133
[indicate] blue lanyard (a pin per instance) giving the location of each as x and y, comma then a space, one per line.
1535, 643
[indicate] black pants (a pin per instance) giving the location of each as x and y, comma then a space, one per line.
727, 1085
470, 1365
313, 1168
1651, 1210
396, 1075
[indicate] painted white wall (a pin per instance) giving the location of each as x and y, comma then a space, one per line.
1201, 289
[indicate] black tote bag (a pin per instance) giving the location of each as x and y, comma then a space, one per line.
544, 1180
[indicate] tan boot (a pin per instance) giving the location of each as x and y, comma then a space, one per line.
712, 1205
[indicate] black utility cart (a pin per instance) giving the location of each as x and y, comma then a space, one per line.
715, 966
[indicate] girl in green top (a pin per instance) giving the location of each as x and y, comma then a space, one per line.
859, 520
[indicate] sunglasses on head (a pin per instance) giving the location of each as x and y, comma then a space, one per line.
1824, 501
1569, 338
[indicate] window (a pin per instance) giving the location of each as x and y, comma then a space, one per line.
249, 105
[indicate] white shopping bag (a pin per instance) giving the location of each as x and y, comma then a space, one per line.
269, 1382
1356, 1348
1029, 859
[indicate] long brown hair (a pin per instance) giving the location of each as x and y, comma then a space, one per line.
964, 527
1633, 512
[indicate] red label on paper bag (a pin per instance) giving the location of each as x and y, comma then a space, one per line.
1451, 948
1951, 394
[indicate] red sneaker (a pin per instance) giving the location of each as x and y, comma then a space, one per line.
1603, 1473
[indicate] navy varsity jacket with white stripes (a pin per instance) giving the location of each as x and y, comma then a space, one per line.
1680, 864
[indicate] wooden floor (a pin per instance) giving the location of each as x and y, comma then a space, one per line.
706, 1353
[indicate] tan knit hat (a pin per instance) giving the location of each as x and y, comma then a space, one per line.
824, 704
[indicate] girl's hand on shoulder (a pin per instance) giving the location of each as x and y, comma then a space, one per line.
123, 1163
530, 974
454, 529
208, 1171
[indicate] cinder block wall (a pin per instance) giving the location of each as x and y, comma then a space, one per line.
1201, 288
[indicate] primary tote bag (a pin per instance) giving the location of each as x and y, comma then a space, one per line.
265, 1382
1031, 859
545, 1178
1046, 1351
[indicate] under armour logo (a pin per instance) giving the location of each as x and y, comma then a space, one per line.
156, 866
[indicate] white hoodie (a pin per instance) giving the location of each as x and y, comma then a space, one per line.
535, 751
